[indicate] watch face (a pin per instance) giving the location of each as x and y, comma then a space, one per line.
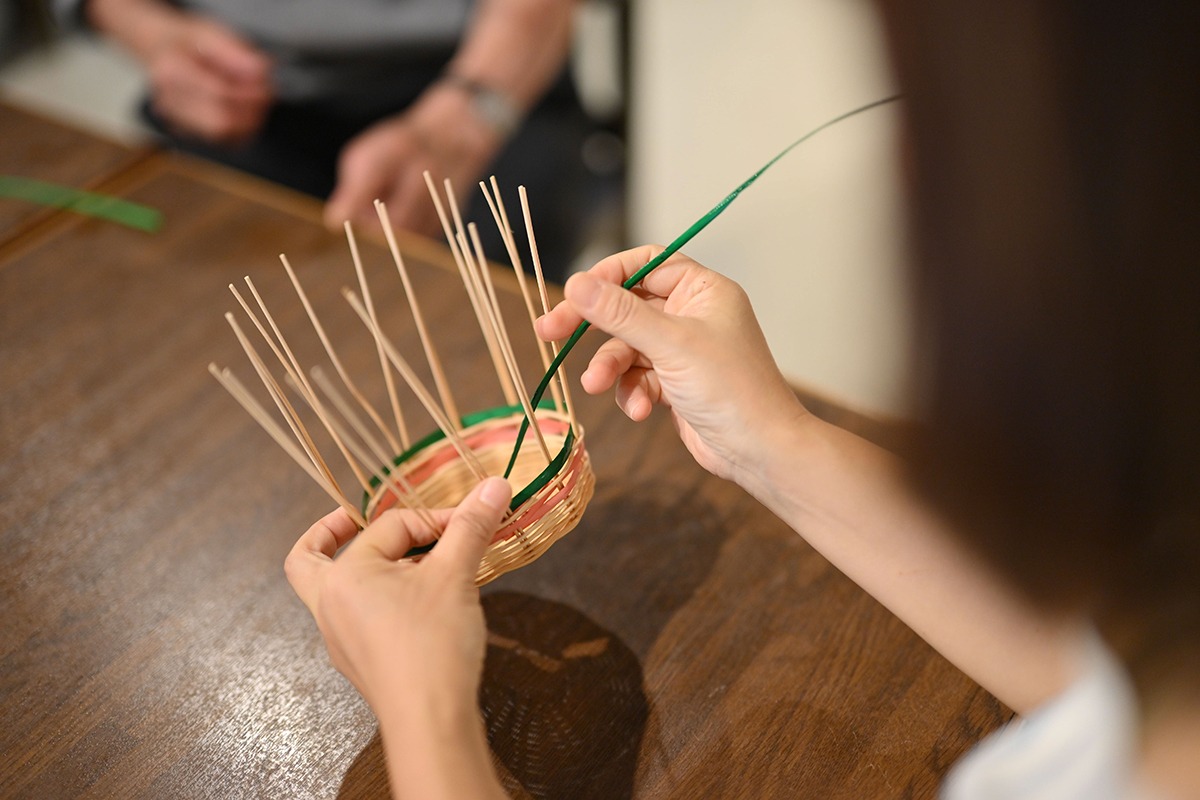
492, 106
497, 110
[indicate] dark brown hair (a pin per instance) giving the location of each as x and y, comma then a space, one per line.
1054, 151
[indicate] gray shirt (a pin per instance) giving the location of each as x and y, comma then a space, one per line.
334, 48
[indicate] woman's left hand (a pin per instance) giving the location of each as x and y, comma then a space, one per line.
395, 626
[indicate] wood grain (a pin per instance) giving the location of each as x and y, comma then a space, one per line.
682, 642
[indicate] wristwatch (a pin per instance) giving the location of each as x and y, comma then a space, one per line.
493, 107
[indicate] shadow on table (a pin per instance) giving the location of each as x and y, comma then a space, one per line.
562, 701
562, 697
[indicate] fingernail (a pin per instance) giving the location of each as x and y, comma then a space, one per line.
495, 493
584, 291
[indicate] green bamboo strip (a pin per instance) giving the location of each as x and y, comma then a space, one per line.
101, 206
670, 250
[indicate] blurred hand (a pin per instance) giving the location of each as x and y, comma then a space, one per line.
440, 133
206, 81
402, 630
686, 339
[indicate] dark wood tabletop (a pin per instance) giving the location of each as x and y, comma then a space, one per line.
151, 647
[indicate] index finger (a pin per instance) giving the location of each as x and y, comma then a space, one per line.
620, 267
562, 320
396, 531
315, 549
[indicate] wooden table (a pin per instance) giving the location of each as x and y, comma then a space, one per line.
32, 146
152, 648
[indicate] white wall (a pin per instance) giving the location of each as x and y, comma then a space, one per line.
719, 88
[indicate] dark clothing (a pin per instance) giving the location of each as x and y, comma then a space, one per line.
300, 143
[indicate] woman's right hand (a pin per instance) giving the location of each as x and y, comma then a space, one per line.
687, 339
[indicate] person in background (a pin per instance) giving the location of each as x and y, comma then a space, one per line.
353, 100
1041, 529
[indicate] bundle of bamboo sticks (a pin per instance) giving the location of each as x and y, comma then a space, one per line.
554, 480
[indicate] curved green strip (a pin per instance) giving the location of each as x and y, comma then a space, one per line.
438, 435
670, 250
469, 420
101, 206
546, 475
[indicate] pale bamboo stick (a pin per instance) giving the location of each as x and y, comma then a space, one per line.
420, 391
347, 410
496, 320
285, 408
337, 362
431, 355
259, 414
388, 380
510, 396
541, 281
399, 485
291, 365
514, 256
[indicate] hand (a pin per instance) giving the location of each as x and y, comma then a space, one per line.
206, 81
686, 339
402, 630
440, 133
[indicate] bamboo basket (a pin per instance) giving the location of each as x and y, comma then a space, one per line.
548, 502
550, 472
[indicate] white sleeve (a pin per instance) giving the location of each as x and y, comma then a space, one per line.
1080, 746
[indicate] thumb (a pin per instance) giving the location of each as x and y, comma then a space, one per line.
472, 527
618, 312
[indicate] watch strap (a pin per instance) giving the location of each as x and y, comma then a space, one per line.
494, 107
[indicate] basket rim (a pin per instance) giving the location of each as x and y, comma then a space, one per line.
469, 420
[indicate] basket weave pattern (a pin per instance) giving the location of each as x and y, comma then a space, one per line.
441, 479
